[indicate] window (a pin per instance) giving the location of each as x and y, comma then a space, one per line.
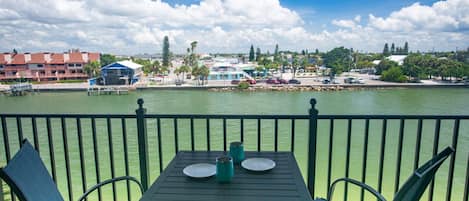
1, 66
71, 65
78, 65
40, 65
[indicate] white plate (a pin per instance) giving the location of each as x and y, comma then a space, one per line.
200, 170
258, 164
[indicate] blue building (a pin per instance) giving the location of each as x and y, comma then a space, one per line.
121, 73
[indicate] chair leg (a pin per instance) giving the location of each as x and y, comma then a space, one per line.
1, 191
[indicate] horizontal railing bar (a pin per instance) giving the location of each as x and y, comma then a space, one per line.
364, 117
236, 116
225, 116
69, 115
305, 117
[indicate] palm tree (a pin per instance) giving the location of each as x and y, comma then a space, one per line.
196, 73
193, 46
92, 69
184, 69
204, 72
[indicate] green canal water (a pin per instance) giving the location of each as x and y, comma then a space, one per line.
393, 101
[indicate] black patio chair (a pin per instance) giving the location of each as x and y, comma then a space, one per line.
29, 179
412, 189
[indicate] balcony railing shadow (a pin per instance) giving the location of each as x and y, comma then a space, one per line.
381, 150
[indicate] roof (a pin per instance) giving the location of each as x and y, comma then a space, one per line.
57, 58
93, 56
2, 59
18, 59
399, 59
75, 57
123, 64
37, 58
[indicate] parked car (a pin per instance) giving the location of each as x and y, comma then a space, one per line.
236, 82
282, 81
179, 82
335, 81
251, 81
294, 81
272, 81
360, 81
326, 81
349, 80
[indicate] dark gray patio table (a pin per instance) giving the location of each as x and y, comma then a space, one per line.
283, 183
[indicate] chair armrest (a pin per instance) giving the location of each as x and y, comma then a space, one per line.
360, 184
109, 181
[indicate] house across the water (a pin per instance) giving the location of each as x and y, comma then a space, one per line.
121, 73
224, 71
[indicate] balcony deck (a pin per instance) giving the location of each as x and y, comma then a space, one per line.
82, 149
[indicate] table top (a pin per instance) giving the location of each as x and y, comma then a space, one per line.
284, 182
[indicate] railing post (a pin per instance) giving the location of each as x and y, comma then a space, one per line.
142, 143
313, 131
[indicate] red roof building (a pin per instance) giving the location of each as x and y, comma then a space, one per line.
2, 59
75, 57
57, 58
18, 59
43, 66
37, 58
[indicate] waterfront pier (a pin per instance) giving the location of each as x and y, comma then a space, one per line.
107, 90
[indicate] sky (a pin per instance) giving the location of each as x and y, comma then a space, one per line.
231, 26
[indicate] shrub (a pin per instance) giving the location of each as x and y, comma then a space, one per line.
243, 85
393, 74
71, 81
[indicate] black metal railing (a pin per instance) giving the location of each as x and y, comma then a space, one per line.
381, 150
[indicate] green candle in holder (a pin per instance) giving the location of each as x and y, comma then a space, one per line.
237, 152
225, 169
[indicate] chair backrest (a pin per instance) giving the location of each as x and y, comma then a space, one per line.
414, 187
28, 178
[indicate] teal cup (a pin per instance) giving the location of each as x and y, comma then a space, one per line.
237, 152
225, 169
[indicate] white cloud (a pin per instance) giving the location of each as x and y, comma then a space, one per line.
345, 23
130, 27
357, 18
451, 15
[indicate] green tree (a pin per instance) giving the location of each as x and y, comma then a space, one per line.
276, 54
258, 54
384, 65
106, 59
193, 59
184, 69
406, 48
394, 74
196, 74
204, 72
251, 53
166, 51
92, 69
412, 68
386, 50
364, 64
338, 59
